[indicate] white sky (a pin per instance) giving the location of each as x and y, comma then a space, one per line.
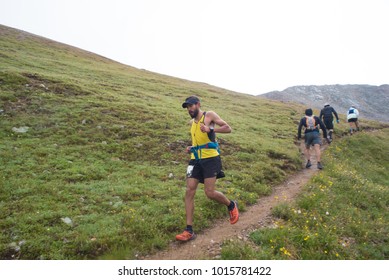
249, 46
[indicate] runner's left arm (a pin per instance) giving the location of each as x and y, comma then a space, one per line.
299, 129
336, 114
222, 126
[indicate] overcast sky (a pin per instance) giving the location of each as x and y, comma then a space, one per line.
249, 46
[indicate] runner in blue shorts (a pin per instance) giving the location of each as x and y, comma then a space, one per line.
312, 124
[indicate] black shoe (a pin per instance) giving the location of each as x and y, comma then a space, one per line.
319, 166
309, 164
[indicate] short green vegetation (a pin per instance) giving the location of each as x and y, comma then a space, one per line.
341, 214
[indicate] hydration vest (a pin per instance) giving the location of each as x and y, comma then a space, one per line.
310, 122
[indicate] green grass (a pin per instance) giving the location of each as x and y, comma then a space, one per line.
341, 214
105, 148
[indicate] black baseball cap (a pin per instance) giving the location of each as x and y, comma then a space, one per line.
190, 100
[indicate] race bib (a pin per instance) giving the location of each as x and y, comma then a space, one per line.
189, 170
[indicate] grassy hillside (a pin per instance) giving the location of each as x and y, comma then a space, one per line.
100, 172
343, 213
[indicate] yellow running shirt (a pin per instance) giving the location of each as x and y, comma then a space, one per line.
201, 138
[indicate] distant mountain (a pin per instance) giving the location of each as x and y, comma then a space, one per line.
371, 101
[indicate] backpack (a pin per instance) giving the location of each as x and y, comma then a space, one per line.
351, 111
310, 122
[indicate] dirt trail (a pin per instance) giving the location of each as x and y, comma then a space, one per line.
207, 245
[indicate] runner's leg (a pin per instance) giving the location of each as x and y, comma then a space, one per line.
307, 152
191, 187
317, 150
211, 193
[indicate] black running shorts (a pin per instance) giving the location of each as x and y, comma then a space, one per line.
329, 123
352, 120
205, 168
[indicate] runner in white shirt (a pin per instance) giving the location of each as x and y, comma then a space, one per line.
352, 118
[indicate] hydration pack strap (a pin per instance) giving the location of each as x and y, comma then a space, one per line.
210, 145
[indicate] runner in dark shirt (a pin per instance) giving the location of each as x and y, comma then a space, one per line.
326, 114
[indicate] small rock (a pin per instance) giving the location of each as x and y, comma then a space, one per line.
43, 86
14, 246
117, 204
171, 175
67, 221
22, 129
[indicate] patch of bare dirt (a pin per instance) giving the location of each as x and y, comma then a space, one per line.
207, 245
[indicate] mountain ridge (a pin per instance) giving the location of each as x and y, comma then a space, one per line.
370, 100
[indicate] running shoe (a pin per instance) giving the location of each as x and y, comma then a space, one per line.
234, 214
319, 166
185, 236
309, 164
